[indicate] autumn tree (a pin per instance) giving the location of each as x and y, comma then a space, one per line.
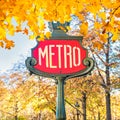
106, 56
81, 88
34, 97
13, 98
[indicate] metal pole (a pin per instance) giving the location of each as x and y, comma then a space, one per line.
60, 108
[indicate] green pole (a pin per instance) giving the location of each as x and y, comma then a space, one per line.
60, 108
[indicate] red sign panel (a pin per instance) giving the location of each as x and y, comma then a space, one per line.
59, 56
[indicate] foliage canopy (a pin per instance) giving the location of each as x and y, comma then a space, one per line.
14, 13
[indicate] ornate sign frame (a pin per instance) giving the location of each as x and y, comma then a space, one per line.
88, 62
60, 79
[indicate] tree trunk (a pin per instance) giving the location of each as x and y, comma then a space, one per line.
16, 111
107, 95
108, 106
39, 116
16, 118
84, 105
98, 115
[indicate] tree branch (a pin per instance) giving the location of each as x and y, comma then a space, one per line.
103, 81
73, 106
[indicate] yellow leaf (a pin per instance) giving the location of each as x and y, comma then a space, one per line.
97, 25
41, 24
106, 3
42, 27
8, 20
80, 16
32, 37
94, 7
41, 38
115, 37
115, 34
84, 28
68, 28
48, 35
73, 10
102, 15
2, 33
11, 30
67, 18
62, 21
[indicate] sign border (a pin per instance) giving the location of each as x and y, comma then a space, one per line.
88, 62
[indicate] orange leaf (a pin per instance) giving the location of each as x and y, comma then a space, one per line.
97, 45
18, 29
103, 37
9, 44
25, 31
1, 44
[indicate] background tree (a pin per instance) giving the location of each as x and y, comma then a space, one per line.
81, 88
34, 97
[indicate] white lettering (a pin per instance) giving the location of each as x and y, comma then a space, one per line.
42, 54
64, 56
67, 53
59, 55
76, 52
51, 53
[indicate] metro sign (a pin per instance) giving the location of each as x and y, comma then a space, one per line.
59, 57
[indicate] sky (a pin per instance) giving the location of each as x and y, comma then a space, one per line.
22, 46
